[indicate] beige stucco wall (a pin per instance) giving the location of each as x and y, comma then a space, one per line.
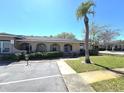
15, 47
75, 46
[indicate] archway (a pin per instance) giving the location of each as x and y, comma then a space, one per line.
41, 47
55, 47
67, 48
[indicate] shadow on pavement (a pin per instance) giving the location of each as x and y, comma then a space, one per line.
5, 63
107, 68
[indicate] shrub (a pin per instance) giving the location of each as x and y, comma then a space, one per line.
45, 55
21, 56
54, 54
35, 56
102, 49
82, 52
10, 57
117, 49
91, 52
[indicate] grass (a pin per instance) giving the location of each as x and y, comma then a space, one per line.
103, 62
112, 85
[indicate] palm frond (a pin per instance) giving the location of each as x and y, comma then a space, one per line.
91, 12
84, 8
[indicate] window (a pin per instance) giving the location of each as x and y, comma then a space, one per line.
68, 48
55, 47
4, 46
26, 46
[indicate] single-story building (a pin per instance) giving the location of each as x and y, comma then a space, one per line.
117, 45
18, 43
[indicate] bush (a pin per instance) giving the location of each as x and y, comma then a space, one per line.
45, 55
117, 49
32, 56
94, 52
35, 56
54, 54
21, 56
9, 57
82, 52
102, 49
91, 52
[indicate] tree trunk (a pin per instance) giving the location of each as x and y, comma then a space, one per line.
86, 22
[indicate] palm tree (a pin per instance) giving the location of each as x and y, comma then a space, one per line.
82, 12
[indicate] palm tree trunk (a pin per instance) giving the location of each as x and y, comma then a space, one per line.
86, 22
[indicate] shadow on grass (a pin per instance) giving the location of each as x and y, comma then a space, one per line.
107, 68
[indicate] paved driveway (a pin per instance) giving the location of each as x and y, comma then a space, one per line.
37, 77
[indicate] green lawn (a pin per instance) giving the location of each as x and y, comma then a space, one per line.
112, 85
104, 61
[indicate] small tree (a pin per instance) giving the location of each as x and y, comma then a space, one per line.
107, 35
94, 34
66, 35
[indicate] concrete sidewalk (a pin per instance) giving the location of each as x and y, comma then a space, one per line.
112, 53
96, 76
80, 82
64, 68
72, 80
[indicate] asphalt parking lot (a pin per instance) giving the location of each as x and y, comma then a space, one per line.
40, 76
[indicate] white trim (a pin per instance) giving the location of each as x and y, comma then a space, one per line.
12, 41
1, 46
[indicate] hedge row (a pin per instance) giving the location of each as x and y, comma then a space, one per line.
45, 55
9, 57
32, 56
41, 55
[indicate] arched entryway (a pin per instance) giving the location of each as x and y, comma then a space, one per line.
26, 46
68, 48
55, 47
41, 47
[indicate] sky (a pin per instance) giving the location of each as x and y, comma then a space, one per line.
51, 17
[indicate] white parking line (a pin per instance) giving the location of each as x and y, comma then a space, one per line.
19, 81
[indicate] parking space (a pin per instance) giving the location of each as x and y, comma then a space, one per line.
39, 76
